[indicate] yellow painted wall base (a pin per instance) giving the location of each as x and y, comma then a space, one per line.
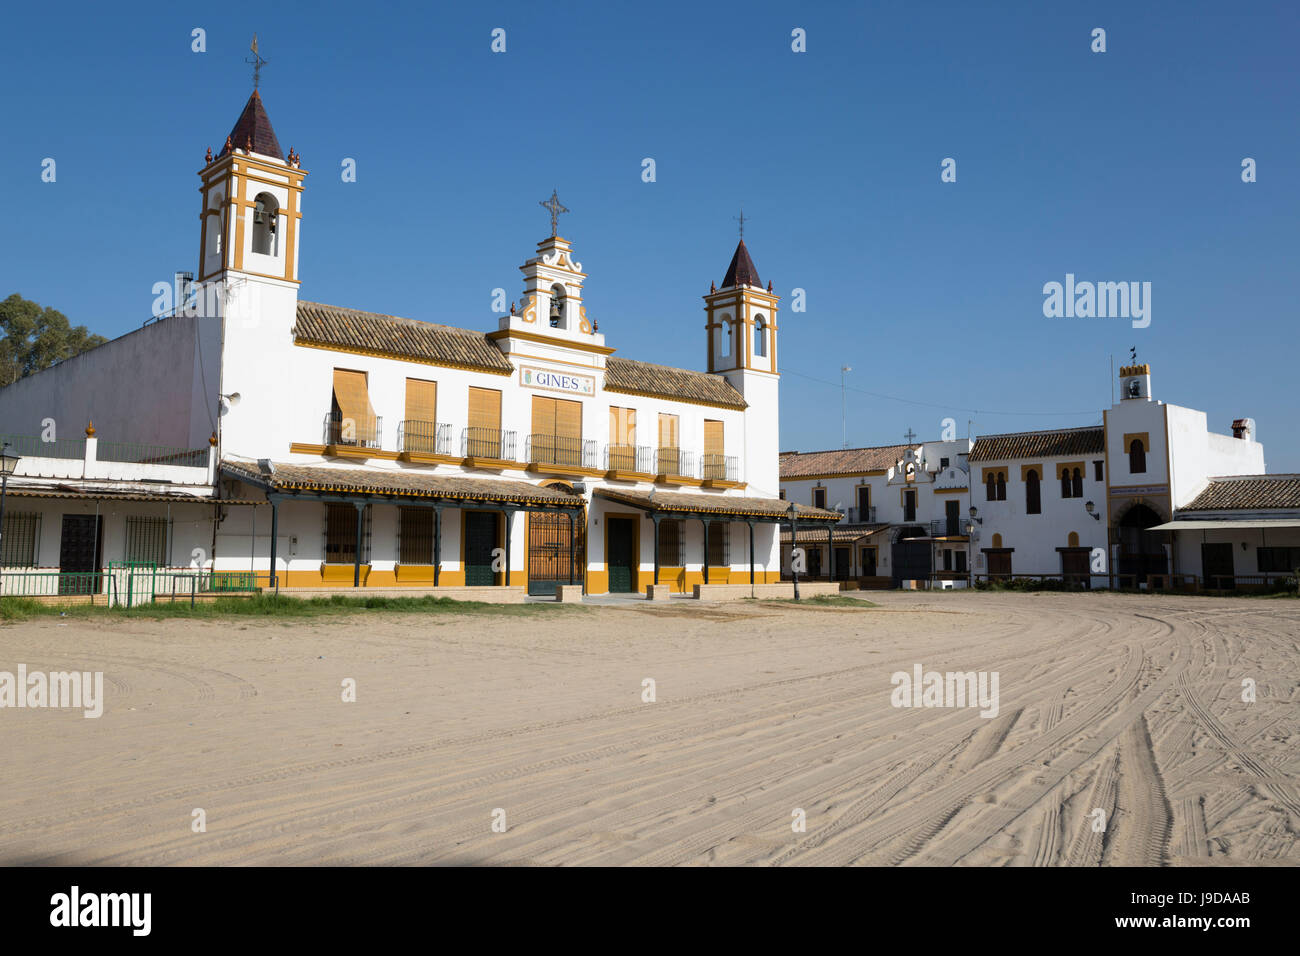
679, 580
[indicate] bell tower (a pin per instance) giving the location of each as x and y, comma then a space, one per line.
741, 327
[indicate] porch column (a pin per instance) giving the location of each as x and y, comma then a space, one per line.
356, 565
751, 552
794, 544
705, 522
830, 550
655, 519
437, 543
573, 544
275, 529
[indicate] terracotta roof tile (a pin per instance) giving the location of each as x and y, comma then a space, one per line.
254, 126
331, 325
714, 504
626, 375
1247, 491
741, 271
1045, 444
845, 461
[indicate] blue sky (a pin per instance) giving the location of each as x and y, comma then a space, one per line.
1121, 166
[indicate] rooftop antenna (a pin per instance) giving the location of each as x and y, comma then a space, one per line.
556, 208
844, 404
256, 62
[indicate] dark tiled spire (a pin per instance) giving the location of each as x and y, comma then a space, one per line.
741, 271
254, 126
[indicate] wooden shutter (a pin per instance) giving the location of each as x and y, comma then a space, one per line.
568, 419
353, 400
485, 408
713, 433
421, 400
543, 415
667, 430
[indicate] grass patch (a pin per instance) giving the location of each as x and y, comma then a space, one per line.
274, 606
821, 600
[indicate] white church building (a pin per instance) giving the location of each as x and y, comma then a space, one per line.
337, 447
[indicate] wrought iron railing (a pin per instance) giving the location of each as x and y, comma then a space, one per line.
34, 446
638, 458
430, 438
719, 468
947, 527
674, 461
861, 515
545, 449
495, 443
362, 432
138, 453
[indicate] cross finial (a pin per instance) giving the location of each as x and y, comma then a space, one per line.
741, 219
910, 436
256, 62
555, 207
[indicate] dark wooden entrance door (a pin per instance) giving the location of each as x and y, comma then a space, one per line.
868, 562
620, 544
911, 557
843, 558
999, 564
481, 535
80, 544
553, 557
1216, 565
952, 511
1074, 566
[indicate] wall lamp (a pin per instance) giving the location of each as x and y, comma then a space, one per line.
973, 512
1092, 510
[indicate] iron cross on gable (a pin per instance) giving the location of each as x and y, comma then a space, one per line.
910, 436
556, 207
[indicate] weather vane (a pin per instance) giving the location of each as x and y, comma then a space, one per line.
741, 219
1133, 355
555, 207
256, 62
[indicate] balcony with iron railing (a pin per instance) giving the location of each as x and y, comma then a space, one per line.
674, 463
719, 467
362, 432
560, 451
860, 515
425, 438
493, 443
950, 527
638, 459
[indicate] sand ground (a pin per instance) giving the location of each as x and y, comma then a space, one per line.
1127, 704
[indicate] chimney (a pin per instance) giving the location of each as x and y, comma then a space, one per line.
1244, 428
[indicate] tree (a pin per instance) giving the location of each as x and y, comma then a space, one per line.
34, 338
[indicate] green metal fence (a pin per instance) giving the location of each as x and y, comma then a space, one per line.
126, 583
33, 446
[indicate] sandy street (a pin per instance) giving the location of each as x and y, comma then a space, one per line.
1127, 705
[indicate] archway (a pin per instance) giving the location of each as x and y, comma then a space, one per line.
1141, 551
556, 547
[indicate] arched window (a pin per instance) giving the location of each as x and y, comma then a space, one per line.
559, 318
266, 224
726, 338
1066, 491
1073, 540
1137, 457
991, 488
1033, 494
1002, 486
760, 337
1077, 482
997, 541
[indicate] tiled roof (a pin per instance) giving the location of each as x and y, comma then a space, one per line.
418, 484
1049, 444
840, 535
845, 461
1248, 491
714, 504
337, 327
625, 375
254, 126
741, 271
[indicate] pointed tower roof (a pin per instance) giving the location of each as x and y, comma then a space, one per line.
741, 271
254, 126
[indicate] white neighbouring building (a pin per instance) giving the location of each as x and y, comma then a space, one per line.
354, 448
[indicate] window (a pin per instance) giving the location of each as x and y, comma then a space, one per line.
352, 419
782, 493
1033, 494
670, 462
420, 429
864, 503
146, 541
1076, 480
483, 435
726, 338
557, 432
415, 535
947, 559
1097, 473
760, 337
1071, 482
1002, 486
670, 543
22, 532
341, 534
1137, 457
909, 505
961, 561
943, 463
1269, 559
715, 459
819, 497
266, 222
622, 438
719, 544
991, 488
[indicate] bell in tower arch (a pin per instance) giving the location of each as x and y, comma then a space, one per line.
557, 307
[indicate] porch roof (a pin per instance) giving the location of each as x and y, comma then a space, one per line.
318, 481
838, 535
682, 503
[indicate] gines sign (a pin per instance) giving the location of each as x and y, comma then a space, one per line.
557, 381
